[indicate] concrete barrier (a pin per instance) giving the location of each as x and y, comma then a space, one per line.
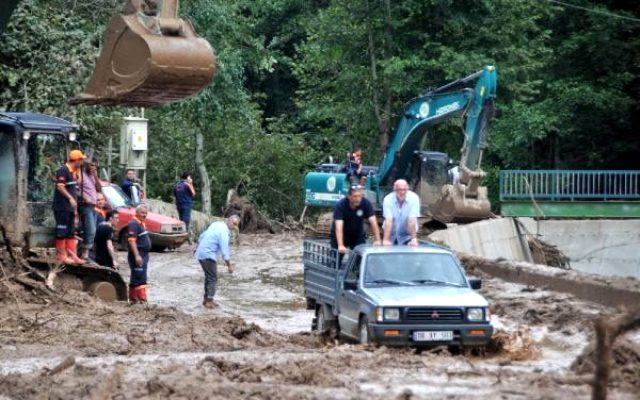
601, 246
492, 238
605, 247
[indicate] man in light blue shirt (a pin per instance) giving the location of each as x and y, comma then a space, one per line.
401, 209
214, 241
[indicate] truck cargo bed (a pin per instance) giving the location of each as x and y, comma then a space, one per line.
321, 267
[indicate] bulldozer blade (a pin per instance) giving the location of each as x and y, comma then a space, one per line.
148, 61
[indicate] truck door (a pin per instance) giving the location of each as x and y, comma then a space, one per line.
349, 305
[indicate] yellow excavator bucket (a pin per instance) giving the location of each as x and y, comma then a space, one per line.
150, 57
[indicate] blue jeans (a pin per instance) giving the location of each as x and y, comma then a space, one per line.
89, 220
184, 214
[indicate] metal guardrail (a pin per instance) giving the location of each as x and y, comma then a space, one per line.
567, 185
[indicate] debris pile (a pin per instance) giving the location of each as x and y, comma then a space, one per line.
251, 220
547, 254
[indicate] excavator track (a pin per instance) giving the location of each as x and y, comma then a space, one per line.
322, 228
104, 283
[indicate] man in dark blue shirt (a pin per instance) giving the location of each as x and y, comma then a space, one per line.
65, 209
138, 255
184, 192
347, 230
130, 181
104, 249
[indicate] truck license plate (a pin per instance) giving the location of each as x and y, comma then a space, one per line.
432, 336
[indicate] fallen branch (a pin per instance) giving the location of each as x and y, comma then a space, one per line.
607, 331
65, 364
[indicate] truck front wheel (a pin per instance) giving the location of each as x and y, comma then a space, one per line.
363, 331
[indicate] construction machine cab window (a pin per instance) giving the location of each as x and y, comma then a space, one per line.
8, 168
46, 153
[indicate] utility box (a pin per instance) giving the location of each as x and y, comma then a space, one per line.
133, 143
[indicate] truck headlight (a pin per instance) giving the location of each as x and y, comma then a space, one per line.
391, 314
475, 314
387, 314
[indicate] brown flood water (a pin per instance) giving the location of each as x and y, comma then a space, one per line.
257, 344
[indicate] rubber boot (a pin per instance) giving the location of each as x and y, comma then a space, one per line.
142, 293
61, 252
72, 251
133, 295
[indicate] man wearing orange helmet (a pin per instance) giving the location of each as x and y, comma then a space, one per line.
65, 208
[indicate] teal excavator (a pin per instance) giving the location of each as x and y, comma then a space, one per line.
443, 199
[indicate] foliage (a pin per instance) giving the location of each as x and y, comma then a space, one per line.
300, 80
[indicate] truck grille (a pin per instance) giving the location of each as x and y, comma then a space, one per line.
433, 314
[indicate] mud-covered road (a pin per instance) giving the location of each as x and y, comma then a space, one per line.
257, 344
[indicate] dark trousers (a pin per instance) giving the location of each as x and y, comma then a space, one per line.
138, 274
184, 214
210, 269
65, 223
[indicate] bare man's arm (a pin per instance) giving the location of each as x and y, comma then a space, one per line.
373, 223
412, 227
388, 226
191, 188
340, 236
134, 249
112, 253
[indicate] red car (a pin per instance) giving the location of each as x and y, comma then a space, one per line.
165, 232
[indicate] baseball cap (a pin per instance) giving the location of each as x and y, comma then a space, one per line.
75, 155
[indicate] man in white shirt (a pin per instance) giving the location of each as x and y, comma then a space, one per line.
401, 209
214, 241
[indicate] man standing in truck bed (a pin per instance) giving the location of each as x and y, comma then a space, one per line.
347, 229
401, 209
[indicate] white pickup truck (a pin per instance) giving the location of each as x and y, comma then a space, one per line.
395, 295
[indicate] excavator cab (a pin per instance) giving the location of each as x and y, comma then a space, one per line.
32, 147
149, 57
428, 176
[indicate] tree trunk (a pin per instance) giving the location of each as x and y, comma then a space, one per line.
382, 116
205, 190
607, 331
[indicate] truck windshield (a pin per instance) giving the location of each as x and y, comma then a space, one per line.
412, 268
116, 197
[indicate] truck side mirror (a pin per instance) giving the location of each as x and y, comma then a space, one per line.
350, 285
475, 283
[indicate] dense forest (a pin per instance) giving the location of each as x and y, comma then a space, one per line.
299, 80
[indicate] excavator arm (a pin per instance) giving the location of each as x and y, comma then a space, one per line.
438, 105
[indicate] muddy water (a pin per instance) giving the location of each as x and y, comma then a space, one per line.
161, 352
265, 288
